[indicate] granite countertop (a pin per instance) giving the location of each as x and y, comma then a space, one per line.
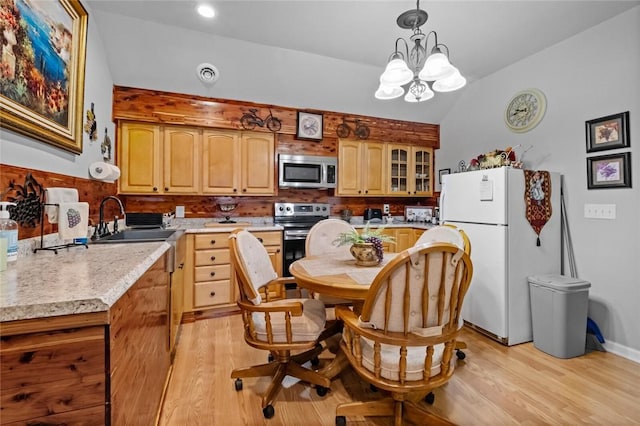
76, 280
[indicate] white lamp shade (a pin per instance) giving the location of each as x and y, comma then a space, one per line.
396, 73
388, 92
425, 96
454, 82
436, 67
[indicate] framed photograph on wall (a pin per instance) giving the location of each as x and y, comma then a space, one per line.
42, 78
609, 171
441, 173
610, 132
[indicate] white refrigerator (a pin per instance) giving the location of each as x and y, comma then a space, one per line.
489, 205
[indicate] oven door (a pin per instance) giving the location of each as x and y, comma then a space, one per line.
293, 247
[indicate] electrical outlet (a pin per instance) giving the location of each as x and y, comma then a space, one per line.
179, 211
385, 208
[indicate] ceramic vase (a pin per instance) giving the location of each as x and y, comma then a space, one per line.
365, 254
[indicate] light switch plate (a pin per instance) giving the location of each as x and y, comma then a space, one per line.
600, 211
179, 211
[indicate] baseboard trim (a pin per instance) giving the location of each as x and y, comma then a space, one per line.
623, 351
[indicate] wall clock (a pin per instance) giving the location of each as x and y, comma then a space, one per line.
309, 126
525, 110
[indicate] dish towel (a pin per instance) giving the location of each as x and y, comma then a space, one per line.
73, 221
58, 196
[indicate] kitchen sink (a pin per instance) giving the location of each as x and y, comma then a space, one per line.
137, 236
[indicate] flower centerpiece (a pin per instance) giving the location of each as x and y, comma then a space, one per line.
366, 246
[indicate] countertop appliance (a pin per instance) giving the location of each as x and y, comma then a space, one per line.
374, 215
489, 205
297, 219
307, 171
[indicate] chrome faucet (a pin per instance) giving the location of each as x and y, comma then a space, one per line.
102, 229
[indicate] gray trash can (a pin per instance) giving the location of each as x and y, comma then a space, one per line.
559, 314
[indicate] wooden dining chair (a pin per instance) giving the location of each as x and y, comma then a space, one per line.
320, 241
280, 327
403, 341
454, 235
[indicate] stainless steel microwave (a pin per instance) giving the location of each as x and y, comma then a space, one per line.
307, 171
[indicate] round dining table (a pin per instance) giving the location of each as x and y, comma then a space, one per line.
337, 275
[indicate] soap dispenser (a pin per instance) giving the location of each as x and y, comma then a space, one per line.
9, 230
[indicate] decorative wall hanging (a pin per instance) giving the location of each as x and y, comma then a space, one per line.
28, 198
609, 171
91, 127
43, 62
608, 132
310, 126
250, 120
105, 146
537, 199
360, 129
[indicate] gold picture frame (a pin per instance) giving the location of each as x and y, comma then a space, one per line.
42, 66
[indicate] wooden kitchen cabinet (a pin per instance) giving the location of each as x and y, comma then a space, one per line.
98, 368
361, 168
158, 159
410, 170
209, 277
238, 163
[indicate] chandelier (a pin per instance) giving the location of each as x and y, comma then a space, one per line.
417, 67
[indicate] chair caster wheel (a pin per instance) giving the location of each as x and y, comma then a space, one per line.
270, 358
268, 411
315, 361
238, 384
373, 388
341, 421
321, 390
430, 398
461, 355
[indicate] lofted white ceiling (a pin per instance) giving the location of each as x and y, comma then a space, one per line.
482, 36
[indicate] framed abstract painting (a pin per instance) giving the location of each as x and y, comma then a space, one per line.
609, 171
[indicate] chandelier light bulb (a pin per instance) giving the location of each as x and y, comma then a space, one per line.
388, 92
454, 82
436, 67
206, 11
396, 74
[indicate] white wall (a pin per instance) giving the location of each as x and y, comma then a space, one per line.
593, 74
22, 151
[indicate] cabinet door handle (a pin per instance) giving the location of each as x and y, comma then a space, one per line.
213, 258
213, 274
180, 266
213, 242
359, 192
166, 188
212, 294
155, 189
244, 189
366, 191
277, 250
235, 190
261, 240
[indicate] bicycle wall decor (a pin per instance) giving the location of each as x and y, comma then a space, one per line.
360, 130
250, 120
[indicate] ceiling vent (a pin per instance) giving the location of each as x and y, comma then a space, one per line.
207, 73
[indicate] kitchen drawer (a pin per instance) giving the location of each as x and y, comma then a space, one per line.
269, 238
210, 273
212, 257
212, 293
210, 241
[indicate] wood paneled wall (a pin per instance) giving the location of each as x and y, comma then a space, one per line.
171, 108
91, 191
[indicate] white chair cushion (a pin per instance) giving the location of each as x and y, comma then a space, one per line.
442, 234
256, 262
304, 328
322, 235
390, 360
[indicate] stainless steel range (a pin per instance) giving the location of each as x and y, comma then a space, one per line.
297, 219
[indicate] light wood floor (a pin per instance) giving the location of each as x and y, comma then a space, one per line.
494, 385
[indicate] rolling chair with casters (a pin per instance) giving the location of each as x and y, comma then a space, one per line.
403, 341
280, 326
449, 234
